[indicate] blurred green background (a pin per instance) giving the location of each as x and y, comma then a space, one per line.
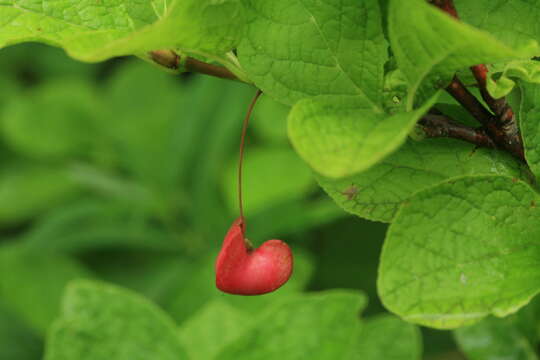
122, 172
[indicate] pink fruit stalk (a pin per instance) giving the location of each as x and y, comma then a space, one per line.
242, 270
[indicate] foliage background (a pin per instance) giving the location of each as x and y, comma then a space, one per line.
123, 173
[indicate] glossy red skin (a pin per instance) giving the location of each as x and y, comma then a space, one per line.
244, 271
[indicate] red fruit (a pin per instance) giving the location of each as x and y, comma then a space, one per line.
242, 270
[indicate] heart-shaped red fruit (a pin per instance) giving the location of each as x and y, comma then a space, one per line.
242, 270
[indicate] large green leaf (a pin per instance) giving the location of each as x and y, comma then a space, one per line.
218, 327
338, 138
376, 194
430, 46
302, 48
93, 31
31, 284
104, 322
462, 250
319, 326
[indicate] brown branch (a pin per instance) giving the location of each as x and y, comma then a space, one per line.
463, 96
503, 127
438, 125
171, 60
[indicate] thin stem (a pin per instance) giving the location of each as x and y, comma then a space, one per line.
438, 125
241, 157
171, 60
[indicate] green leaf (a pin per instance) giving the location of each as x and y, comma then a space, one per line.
213, 327
498, 18
103, 322
273, 175
303, 48
528, 114
31, 284
462, 250
91, 31
320, 326
386, 337
415, 26
339, 139
29, 190
501, 83
52, 121
502, 79
377, 193
494, 338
